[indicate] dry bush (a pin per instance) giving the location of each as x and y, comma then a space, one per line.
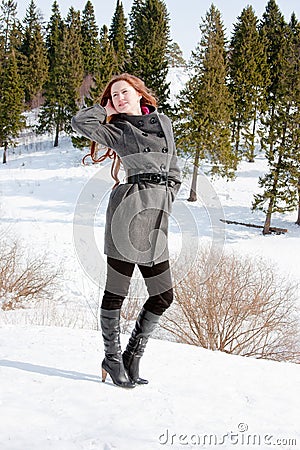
242, 307
23, 278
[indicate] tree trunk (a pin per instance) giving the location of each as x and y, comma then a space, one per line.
4, 153
252, 146
193, 191
271, 139
56, 134
238, 133
267, 224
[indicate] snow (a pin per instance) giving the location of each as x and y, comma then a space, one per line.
54, 399
51, 393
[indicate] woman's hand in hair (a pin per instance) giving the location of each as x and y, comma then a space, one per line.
110, 110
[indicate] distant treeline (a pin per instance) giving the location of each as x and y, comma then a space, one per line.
242, 95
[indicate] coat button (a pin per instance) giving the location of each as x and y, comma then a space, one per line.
160, 134
140, 123
153, 120
165, 150
162, 167
146, 149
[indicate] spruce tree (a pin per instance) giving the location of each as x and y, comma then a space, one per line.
149, 42
74, 64
11, 102
65, 75
89, 40
35, 64
8, 19
273, 33
249, 78
118, 37
11, 92
54, 36
106, 64
280, 184
50, 113
203, 119
295, 128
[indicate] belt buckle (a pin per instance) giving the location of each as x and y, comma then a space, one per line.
156, 177
163, 178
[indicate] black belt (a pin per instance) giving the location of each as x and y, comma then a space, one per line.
158, 178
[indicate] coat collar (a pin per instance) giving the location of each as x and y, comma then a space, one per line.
136, 120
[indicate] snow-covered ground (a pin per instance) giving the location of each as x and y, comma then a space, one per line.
52, 397
51, 394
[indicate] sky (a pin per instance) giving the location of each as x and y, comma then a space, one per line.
185, 16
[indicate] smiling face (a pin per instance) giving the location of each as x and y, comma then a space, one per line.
125, 98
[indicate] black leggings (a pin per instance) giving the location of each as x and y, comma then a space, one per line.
157, 278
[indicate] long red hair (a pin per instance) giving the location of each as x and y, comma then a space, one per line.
148, 98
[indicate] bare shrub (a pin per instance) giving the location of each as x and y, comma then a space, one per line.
23, 278
242, 307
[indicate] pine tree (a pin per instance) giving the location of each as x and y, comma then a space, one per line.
54, 36
89, 40
11, 92
294, 63
106, 64
203, 127
118, 37
280, 185
65, 76
35, 64
273, 33
175, 56
74, 64
11, 102
50, 113
249, 78
7, 22
149, 42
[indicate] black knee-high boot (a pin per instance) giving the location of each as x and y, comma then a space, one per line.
113, 362
144, 326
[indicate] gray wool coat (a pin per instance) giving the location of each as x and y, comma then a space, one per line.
137, 215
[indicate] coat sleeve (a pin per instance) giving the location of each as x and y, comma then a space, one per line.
91, 123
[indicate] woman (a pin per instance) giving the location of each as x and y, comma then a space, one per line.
126, 120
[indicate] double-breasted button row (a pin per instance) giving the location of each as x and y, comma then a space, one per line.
148, 149
159, 134
141, 122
